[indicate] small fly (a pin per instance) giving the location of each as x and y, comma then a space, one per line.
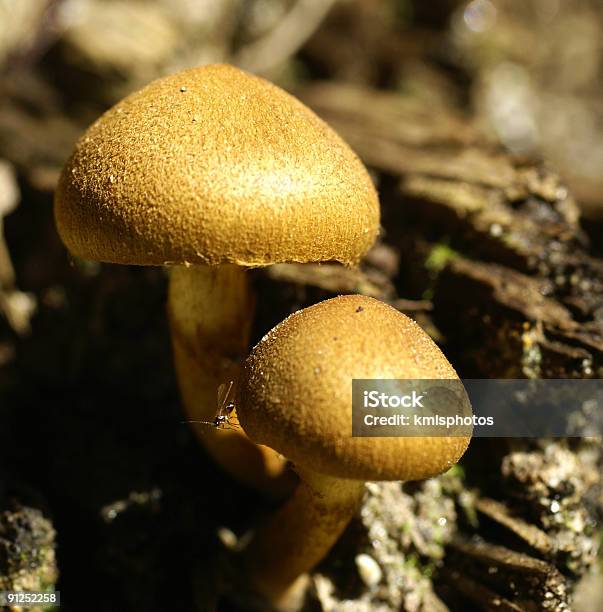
224, 418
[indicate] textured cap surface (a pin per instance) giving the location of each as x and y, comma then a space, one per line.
295, 393
213, 165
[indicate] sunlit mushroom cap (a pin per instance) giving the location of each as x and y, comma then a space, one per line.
213, 165
295, 394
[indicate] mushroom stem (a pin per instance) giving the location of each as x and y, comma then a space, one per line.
299, 534
210, 310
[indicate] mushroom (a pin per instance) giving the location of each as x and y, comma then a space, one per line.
209, 172
295, 396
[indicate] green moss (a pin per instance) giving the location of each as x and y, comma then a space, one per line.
412, 561
414, 564
456, 471
439, 257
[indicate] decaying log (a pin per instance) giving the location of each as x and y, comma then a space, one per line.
518, 259
532, 536
486, 571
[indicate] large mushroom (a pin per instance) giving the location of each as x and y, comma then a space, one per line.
295, 396
209, 172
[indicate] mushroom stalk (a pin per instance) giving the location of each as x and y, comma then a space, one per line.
300, 533
210, 309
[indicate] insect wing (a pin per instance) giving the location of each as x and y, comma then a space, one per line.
225, 399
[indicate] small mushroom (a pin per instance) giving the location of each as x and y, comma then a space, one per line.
295, 396
209, 172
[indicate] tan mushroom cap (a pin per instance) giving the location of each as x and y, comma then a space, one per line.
213, 165
295, 394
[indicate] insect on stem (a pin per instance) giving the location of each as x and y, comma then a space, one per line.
226, 406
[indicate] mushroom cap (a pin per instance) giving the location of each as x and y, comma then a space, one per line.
295, 392
213, 165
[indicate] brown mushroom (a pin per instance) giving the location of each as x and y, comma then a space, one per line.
295, 396
212, 171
